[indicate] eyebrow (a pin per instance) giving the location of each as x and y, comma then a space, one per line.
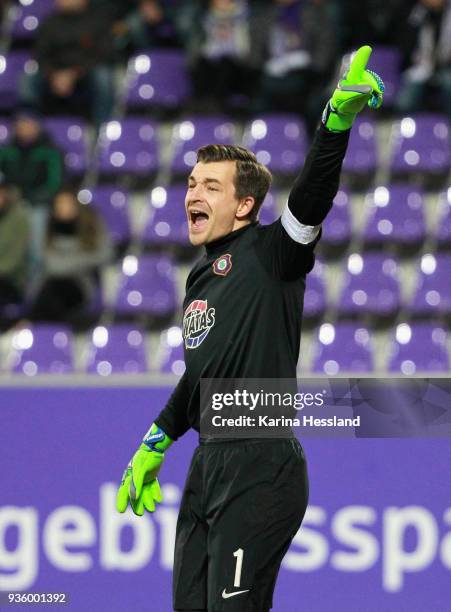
207, 180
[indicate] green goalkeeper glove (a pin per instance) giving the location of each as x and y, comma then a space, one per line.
355, 90
140, 484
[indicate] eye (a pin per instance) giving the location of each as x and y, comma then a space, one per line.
213, 189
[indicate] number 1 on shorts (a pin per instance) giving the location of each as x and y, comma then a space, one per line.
239, 564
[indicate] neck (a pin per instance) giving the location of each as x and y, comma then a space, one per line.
220, 243
239, 223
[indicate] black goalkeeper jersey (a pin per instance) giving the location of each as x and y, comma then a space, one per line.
242, 312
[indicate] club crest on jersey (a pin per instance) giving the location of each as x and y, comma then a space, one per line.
197, 322
222, 265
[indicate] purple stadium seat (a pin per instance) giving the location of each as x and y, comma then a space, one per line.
444, 226
171, 347
343, 347
27, 15
337, 225
129, 147
12, 67
112, 204
315, 293
396, 216
278, 141
43, 349
167, 223
147, 286
193, 133
420, 144
433, 288
117, 349
386, 61
268, 212
371, 286
419, 347
69, 134
361, 156
148, 84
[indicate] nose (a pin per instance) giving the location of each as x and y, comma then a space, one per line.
196, 191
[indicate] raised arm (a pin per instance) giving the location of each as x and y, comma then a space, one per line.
314, 190
290, 247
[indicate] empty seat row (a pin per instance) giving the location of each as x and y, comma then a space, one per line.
413, 348
418, 145
371, 286
122, 348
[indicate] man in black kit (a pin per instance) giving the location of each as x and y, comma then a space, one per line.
245, 499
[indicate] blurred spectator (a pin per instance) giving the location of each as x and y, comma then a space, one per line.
302, 50
4, 4
33, 163
73, 49
117, 9
425, 41
149, 25
370, 22
14, 237
218, 48
77, 246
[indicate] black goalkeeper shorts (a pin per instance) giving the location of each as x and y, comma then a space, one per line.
244, 501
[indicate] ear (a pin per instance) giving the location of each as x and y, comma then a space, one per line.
244, 207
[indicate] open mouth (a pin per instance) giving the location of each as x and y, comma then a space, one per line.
198, 219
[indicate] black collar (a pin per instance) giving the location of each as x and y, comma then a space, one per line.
224, 241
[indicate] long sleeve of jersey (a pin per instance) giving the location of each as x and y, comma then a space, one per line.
313, 192
287, 246
173, 419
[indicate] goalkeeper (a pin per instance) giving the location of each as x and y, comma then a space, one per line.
244, 500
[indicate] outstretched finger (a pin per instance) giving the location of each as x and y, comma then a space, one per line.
358, 64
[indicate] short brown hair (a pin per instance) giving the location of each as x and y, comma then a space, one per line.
251, 178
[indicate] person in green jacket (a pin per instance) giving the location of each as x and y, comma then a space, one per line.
14, 239
34, 164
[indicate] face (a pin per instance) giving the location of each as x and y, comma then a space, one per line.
151, 11
27, 129
65, 207
71, 5
211, 204
435, 5
222, 5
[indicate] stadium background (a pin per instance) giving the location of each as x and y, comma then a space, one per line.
86, 384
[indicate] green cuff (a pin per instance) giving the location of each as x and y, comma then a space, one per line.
156, 439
